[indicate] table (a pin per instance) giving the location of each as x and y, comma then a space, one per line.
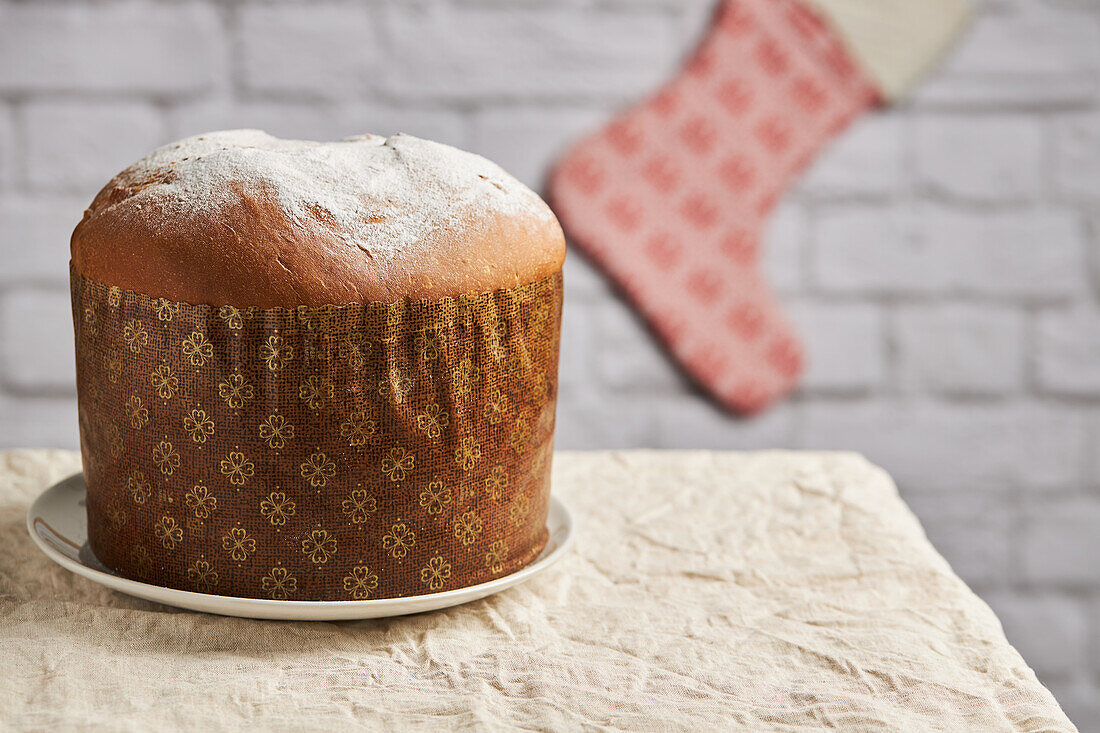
765, 591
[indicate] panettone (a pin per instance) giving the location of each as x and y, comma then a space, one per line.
316, 371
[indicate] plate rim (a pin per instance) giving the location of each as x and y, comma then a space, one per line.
292, 609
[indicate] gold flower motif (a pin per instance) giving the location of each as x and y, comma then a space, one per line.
113, 362
166, 458
353, 348
430, 343
517, 364
319, 546
202, 576
496, 406
540, 385
238, 468
435, 497
234, 318
496, 482
114, 440
277, 508
198, 425
276, 431
201, 501
540, 316
358, 429
139, 416
521, 507
141, 559
360, 582
116, 515
521, 433
464, 375
467, 527
235, 390
280, 584
398, 464
168, 532
519, 296
359, 506
314, 391
398, 540
395, 314
319, 317
135, 336
197, 348
139, 487
166, 309
238, 544
433, 420
318, 469
164, 382
496, 556
468, 453
435, 573
91, 321
114, 296
276, 354
397, 385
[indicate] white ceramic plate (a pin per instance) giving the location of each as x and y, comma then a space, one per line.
58, 524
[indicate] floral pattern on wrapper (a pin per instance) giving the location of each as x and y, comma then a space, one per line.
342, 452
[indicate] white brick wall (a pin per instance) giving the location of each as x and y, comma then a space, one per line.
942, 260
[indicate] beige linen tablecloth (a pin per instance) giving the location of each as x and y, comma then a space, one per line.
706, 591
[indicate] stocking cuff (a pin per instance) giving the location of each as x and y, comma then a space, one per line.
895, 41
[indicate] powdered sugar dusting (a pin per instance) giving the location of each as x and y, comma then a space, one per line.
379, 194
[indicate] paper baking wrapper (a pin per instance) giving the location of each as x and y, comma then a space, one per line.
333, 453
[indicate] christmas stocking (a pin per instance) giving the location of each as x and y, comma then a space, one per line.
670, 198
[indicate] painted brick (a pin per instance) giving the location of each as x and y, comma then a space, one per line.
971, 530
693, 422
610, 422
302, 120
1032, 55
931, 250
1059, 543
7, 147
956, 447
865, 160
526, 141
1050, 632
34, 236
1032, 39
1080, 700
319, 50
432, 123
969, 93
1078, 155
320, 120
445, 51
582, 280
36, 342
961, 349
78, 146
154, 48
577, 360
628, 358
990, 158
785, 239
845, 346
1069, 351
38, 423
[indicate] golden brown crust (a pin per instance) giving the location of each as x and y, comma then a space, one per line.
248, 248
